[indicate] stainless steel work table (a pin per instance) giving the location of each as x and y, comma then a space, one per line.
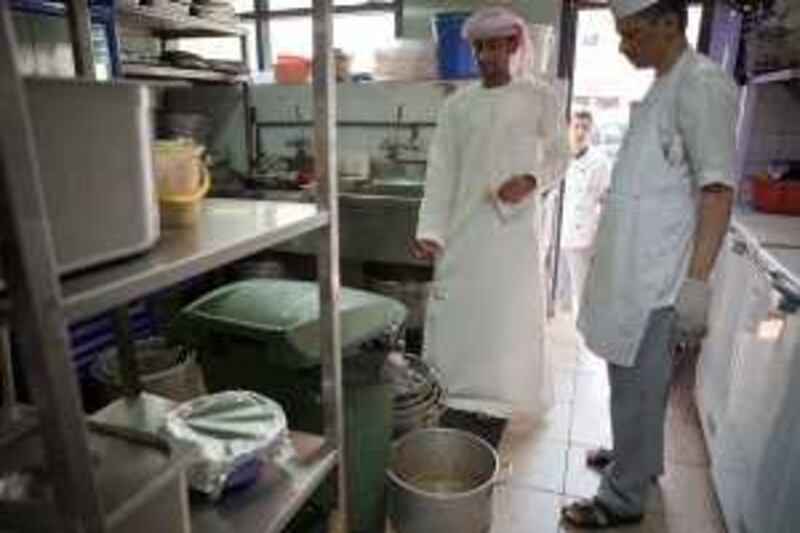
228, 230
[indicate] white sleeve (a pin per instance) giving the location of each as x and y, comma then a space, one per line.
538, 144
708, 110
601, 179
552, 145
440, 181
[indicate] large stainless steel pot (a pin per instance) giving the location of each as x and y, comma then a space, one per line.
441, 480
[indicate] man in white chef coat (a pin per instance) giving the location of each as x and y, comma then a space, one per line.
663, 223
498, 144
586, 183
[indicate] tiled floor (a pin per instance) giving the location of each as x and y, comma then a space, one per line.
544, 462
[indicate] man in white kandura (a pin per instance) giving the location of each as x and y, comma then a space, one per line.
498, 145
586, 183
663, 223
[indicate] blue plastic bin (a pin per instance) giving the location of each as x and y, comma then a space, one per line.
455, 57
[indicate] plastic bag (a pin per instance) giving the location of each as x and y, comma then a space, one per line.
235, 432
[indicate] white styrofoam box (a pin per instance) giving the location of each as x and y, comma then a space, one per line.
763, 146
788, 147
776, 110
775, 128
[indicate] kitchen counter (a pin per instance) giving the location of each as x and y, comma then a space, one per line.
748, 374
788, 258
771, 231
776, 235
377, 224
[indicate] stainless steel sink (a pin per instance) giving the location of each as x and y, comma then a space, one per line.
396, 188
401, 188
377, 223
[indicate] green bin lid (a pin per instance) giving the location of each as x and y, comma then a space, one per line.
264, 309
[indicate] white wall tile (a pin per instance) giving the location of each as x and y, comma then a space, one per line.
376, 102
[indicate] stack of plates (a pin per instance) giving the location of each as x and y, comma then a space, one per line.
418, 393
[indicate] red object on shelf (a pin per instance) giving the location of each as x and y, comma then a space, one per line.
305, 178
292, 70
780, 197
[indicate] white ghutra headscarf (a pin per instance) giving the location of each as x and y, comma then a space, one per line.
497, 22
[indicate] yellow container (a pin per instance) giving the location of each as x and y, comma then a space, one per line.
178, 167
184, 210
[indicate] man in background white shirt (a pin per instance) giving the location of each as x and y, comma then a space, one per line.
587, 180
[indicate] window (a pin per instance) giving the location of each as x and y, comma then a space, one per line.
359, 29
604, 81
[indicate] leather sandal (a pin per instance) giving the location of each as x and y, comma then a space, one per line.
592, 514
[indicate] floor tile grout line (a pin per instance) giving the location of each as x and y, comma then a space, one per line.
571, 417
532, 488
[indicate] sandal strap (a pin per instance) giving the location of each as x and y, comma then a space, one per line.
587, 513
595, 514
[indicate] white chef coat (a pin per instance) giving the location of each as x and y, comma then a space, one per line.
681, 137
587, 180
485, 320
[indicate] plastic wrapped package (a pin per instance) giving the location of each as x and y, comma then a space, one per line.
235, 432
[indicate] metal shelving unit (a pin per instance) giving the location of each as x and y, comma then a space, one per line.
266, 507
42, 307
143, 71
169, 23
228, 230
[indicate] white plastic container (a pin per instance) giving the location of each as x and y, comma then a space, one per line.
406, 60
94, 141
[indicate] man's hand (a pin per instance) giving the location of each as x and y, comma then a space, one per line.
691, 311
516, 189
426, 249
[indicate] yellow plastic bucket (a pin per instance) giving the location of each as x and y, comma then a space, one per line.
184, 210
178, 167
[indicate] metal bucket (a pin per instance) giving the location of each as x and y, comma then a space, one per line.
163, 370
441, 480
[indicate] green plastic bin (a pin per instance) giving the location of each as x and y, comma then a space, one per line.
264, 335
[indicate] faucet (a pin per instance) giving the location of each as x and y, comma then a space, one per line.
398, 151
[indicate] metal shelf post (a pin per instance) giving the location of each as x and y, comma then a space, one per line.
37, 315
80, 23
324, 92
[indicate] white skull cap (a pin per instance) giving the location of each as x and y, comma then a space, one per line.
626, 8
492, 22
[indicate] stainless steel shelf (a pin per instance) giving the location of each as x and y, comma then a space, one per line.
780, 76
130, 465
228, 230
169, 23
167, 73
265, 507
